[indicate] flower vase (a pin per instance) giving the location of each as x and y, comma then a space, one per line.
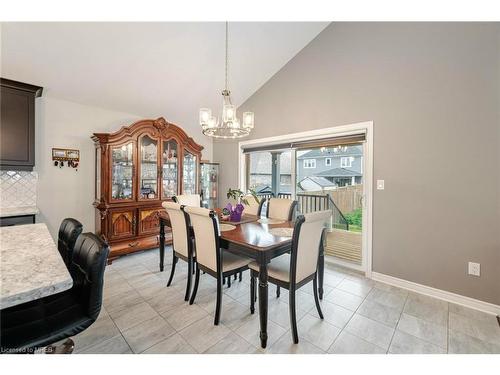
235, 216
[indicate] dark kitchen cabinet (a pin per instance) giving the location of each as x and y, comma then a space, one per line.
17, 124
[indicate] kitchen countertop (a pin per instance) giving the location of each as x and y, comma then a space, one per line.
18, 211
30, 265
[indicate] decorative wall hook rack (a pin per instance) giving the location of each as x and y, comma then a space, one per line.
66, 156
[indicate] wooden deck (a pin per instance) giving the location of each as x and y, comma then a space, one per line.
344, 245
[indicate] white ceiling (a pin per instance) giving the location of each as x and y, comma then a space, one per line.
150, 69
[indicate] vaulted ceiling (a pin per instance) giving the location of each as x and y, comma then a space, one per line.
150, 69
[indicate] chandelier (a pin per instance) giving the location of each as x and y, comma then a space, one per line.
230, 126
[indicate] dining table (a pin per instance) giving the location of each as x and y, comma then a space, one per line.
30, 265
256, 238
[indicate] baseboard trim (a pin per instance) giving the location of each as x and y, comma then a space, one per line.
438, 293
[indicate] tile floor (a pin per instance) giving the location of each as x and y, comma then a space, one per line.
142, 315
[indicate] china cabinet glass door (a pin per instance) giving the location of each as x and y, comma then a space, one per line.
189, 173
122, 167
148, 154
169, 177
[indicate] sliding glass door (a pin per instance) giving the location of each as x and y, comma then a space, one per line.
332, 178
320, 176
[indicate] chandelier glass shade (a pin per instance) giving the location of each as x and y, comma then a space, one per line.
228, 125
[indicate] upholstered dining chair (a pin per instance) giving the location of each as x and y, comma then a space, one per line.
193, 200
300, 267
209, 256
69, 230
181, 242
281, 208
42, 322
253, 207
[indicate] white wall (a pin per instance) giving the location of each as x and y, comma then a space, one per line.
65, 192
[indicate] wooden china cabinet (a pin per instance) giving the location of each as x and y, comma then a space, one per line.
137, 168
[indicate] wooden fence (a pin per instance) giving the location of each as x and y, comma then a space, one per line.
347, 198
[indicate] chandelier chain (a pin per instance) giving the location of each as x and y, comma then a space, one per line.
227, 59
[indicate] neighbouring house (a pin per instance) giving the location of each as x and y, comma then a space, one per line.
315, 183
341, 166
261, 172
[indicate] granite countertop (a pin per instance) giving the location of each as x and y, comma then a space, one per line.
18, 211
30, 265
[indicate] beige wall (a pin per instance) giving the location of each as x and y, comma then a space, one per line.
432, 91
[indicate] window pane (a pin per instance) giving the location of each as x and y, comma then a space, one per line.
260, 176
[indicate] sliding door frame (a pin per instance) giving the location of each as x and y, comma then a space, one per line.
335, 131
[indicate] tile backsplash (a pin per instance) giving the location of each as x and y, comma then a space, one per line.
17, 189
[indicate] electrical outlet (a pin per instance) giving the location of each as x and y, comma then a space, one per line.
474, 269
380, 184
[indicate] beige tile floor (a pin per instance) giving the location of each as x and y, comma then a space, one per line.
142, 315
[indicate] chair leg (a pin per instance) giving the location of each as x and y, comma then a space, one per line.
241, 276
252, 294
174, 262
189, 276
196, 282
229, 282
316, 297
235, 276
219, 302
293, 316
278, 291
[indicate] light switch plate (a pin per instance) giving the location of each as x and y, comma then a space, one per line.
380, 184
474, 269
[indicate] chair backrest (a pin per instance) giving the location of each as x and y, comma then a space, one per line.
179, 227
206, 236
253, 207
281, 208
307, 237
191, 200
69, 230
87, 267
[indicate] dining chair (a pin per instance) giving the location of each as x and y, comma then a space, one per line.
253, 207
209, 256
47, 320
300, 267
281, 208
69, 230
193, 200
181, 242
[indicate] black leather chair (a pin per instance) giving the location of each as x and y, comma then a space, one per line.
69, 230
45, 321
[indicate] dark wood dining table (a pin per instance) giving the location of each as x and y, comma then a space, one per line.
253, 239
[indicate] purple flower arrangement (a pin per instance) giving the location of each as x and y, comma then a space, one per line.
234, 212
